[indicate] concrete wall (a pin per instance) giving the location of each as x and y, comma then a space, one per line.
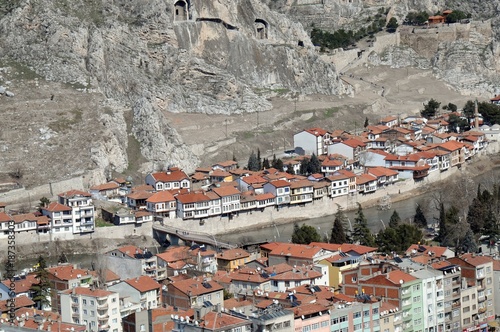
48, 190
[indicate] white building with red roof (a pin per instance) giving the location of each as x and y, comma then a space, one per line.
280, 189
95, 308
82, 210
144, 290
198, 205
173, 178
350, 148
312, 140
229, 197
74, 212
162, 203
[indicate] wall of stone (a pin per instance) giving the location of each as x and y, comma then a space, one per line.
48, 190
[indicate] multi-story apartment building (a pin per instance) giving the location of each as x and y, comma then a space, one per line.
97, 309
64, 277
478, 271
74, 213
131, 261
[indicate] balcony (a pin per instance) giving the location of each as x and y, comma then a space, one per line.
75, 304
103, 306
102, 314
481, 310
455, 304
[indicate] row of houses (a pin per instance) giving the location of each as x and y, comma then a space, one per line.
279, 286
72, 213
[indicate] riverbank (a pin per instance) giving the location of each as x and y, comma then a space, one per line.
107, 238
400, 191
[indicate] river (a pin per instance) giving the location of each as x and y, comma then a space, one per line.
377, 219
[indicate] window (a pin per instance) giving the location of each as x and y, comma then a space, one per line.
466, 309
357, 327
315, 326
375, 311
416, 299
416, 287
465, 298
366, 313
343, 319
357, 314
115, 320
306, 328
92, 313
417, 310
84, 311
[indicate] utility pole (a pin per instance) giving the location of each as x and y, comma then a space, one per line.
225, 121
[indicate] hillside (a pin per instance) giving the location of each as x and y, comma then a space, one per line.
108, 87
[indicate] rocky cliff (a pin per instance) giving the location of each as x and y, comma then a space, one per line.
150, 56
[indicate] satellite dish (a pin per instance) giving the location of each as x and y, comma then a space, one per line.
303, 317
401, 281
196, 322
182, 319
176, 317
187, 319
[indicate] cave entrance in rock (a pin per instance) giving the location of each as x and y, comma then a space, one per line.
181, 10
261, 28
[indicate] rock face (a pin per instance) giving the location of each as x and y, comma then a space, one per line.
213, 57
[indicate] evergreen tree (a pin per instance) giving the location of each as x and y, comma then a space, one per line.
305, 234
367, 123
419, 217
234, 157
314, 165
468, 244
398, 239
44, 202
253, 163
361, 233
259, 160
289, 169
392, 25
430, 109
41, 289
274, 161
442, 224
279, 165
304, 165
395, 220
265, 163
338, 234
476, 215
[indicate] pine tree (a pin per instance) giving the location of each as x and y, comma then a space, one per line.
259, 160
442, 224
476, 215
395, 220
41, 288
305, 234
304, 166
366, 123
361, 233
265, 163
468, 244
289, 169
253, 164
419, 217
279, 165
338, 234
314, 165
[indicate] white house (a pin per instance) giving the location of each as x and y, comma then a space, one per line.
313, 140
82, 210
162, 203
95, 308
197, 205
173, 178
229, 197
280, 189
350, 148
143, 290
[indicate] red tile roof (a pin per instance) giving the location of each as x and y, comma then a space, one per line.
365, 178
195, 286
23, 285
226, 191
381, 171
56, 207
451, 145
74, 193
192, 198
4, 217
68, 272
106, 186
161, 196
221, 321
295, 250
316, 131
140, 194
19, 218
130, 250
280, 183
300, 184
172, 175
19, 302
143, 283
232, 254
354, 143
